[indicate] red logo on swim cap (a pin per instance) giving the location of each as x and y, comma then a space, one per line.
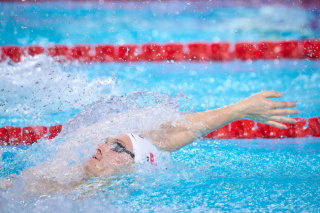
151, 158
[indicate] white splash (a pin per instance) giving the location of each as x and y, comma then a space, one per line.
64, 156
39, 86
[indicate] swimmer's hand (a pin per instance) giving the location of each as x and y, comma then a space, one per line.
259, 108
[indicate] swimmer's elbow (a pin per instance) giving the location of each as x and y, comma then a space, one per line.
177, 141
172, 138
165, 144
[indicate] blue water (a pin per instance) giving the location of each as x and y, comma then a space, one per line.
117, 23
207, 176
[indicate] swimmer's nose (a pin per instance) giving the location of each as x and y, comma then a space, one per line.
103, 148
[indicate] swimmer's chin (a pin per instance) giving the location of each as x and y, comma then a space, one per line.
88, 174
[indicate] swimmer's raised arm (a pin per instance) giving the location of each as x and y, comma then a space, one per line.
257, 107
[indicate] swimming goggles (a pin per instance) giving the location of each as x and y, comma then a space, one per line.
118, 147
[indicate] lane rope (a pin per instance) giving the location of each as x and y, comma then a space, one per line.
155, 52
240, 129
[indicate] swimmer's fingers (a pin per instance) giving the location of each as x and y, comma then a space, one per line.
271, 94
283, 119
276, 124
283, 105
283, 112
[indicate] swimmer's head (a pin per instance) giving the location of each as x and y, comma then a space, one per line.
115, 153
120, 151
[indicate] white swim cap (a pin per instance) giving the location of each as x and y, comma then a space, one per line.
143, 149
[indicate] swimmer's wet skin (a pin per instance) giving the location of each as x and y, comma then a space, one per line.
127, 149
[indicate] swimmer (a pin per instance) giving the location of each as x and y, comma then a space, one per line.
127, 149
119, 152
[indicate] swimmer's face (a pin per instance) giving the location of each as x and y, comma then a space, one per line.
106, 161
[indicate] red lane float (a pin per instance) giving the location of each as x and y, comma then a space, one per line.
173, 52
153, 52
14, 134
15, 53
290, 49
220, 52
240, 129
127, 53
10, 135
104, 53
55, 130
34, 50
245, 129
311, 48
197, 52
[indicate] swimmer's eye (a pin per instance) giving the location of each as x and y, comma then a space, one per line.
118, 147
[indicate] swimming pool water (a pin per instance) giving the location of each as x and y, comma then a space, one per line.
134, 22
207, 176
